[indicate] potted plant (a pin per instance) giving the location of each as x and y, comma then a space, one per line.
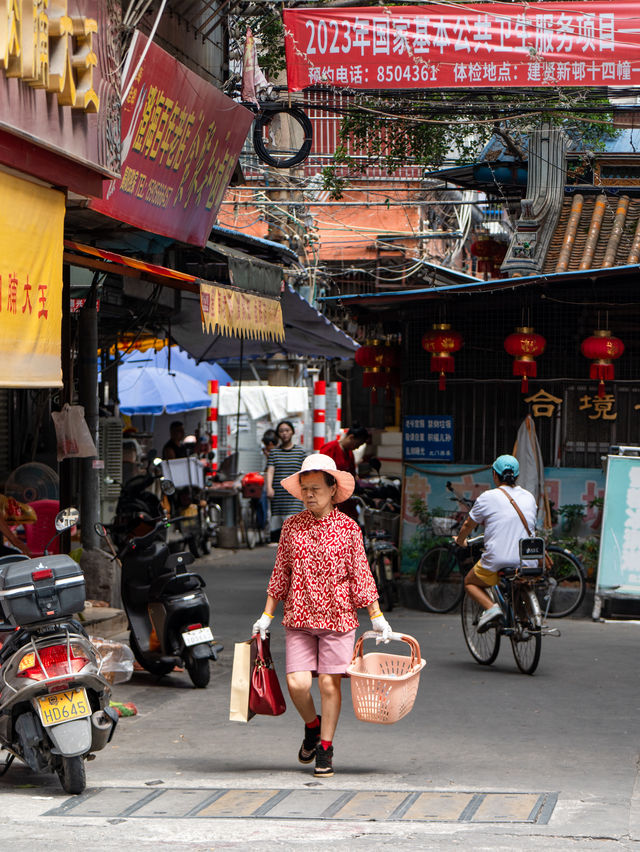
572, 515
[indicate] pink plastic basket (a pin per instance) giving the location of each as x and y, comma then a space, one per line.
384, 686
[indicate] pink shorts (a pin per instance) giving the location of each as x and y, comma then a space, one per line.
318, 651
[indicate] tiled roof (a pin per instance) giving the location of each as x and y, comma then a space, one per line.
596, 232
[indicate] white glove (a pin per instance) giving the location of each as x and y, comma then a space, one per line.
379, 624
262, 625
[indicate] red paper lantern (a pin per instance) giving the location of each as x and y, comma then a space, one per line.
603, 349
525, 346
365, 356
441, 343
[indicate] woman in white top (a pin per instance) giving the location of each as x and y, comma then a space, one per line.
503, 530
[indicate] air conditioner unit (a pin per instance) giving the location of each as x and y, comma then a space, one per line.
110, 451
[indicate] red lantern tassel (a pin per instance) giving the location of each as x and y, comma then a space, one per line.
442, 382
604, 373
526, 369
374, 397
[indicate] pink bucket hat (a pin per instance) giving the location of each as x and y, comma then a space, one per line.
318, 461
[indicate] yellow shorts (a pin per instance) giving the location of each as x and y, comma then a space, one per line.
490, 578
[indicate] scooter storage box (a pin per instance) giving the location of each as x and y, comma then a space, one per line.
47, 588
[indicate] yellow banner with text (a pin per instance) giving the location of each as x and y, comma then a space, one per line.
31, 244
240, 314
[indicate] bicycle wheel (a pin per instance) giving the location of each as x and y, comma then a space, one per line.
383, 564
526, 639
249, 527
439, 580
570, 577
484, 647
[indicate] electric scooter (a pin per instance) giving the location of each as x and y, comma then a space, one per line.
54, 701
167, 608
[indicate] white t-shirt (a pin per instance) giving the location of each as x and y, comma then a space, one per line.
503, 528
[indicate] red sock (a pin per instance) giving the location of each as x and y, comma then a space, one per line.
326, 744
314, 724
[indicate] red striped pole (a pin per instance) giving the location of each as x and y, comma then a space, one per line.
319, 414
212, 419
338, 410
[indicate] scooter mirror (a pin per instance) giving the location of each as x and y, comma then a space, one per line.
67, 518
100, 530
167, 487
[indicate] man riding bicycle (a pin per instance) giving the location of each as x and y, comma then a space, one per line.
503, 530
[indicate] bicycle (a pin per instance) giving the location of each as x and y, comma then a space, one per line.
523, 620
379, 528
442, 569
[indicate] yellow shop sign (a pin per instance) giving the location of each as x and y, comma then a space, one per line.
46, 48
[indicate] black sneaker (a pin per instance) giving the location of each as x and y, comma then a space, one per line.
324, 758
309, 743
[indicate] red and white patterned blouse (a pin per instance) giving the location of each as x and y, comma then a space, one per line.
321, 572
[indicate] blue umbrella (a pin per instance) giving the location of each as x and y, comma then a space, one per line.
153, 390
181, 362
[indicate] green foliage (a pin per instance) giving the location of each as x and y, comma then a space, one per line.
586, 550
571, 514
393, 132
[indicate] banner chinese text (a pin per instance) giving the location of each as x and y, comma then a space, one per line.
479, 45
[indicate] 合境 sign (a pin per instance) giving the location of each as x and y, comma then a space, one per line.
491, 45
181, 138
427, 438
31, 241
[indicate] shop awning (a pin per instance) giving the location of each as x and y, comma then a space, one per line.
306, 330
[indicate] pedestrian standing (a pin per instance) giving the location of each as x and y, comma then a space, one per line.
269, 442
282, 462
322, 576
341, 451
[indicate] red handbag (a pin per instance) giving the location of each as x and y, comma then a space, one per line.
265, 695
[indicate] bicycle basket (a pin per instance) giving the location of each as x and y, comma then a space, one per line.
384, 686
377, 521
445, 524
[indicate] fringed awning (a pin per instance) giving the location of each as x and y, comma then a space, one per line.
240, 314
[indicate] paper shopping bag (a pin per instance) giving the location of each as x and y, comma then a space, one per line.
244, 656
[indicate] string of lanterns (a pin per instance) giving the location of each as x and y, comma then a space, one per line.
380, 361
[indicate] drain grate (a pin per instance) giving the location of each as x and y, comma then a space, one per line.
382, 805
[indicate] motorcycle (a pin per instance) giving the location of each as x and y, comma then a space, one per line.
54, 701
168, 610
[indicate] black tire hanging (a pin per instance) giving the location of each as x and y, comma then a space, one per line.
263, 118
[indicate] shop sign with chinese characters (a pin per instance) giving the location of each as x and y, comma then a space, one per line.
59, 78
181, 139
495, 45
428, 438
240, 314
31, 239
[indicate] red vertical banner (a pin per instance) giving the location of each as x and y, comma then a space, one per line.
460, 46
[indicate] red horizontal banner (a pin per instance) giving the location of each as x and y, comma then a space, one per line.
454, 46
181, 139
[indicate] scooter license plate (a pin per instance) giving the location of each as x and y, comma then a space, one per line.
195, 637
63, 706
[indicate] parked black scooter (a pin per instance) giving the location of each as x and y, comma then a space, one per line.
54, 699
167, 608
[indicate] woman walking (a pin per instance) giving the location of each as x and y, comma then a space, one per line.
322, 576
282, 461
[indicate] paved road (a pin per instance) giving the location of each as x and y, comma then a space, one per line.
488, 759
